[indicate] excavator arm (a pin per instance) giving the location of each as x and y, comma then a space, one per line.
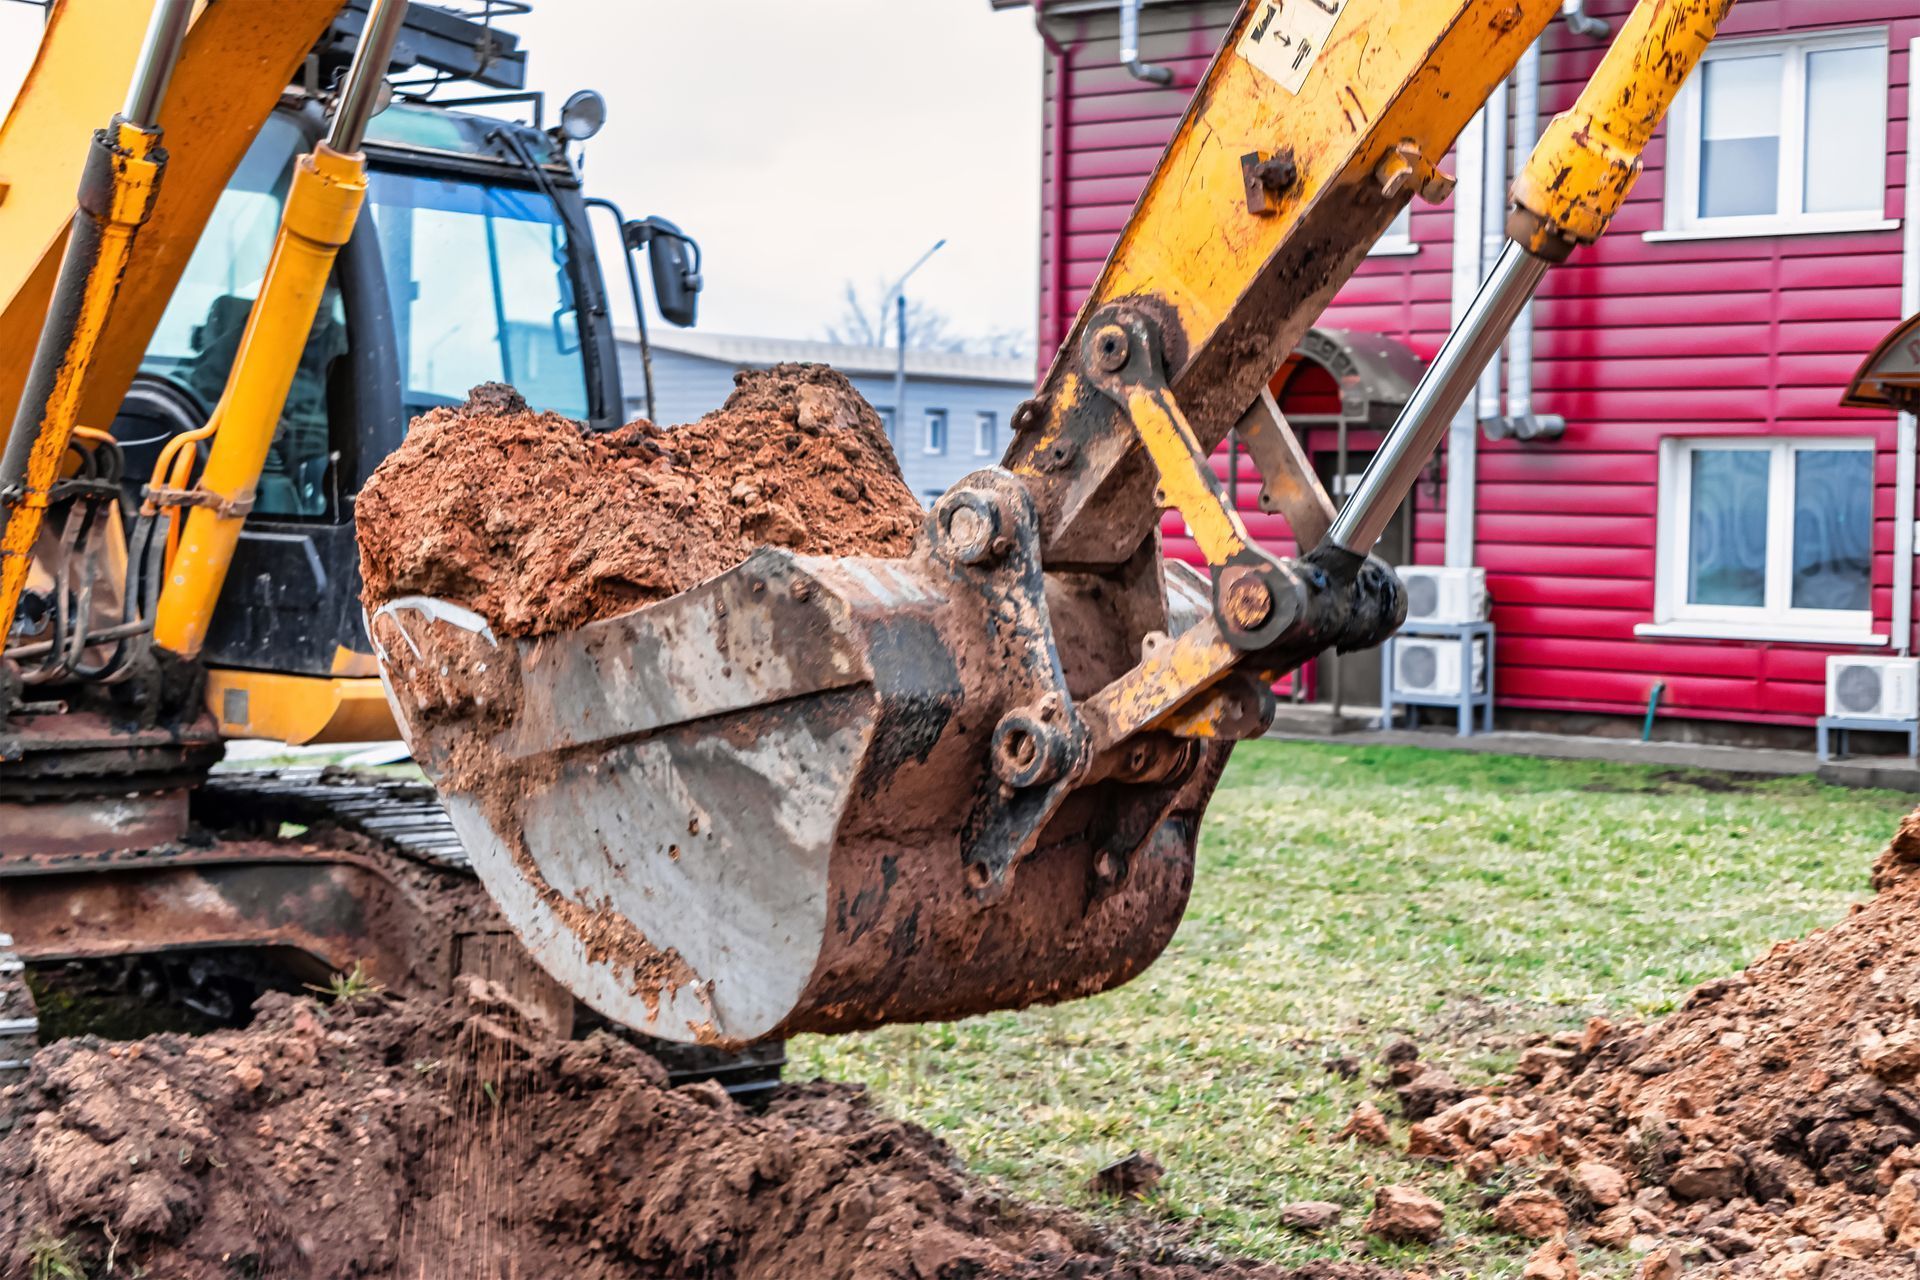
73, 288
817, 794
236, 61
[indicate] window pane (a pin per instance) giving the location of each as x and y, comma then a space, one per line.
1846, 130
198, 337
986, 433
1832, 528
1740, 136
479, 281
1727, 534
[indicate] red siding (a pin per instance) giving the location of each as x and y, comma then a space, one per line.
1636, 341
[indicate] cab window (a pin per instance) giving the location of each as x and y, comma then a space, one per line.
198, 336
478, 275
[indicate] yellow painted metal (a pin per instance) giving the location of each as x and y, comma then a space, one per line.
1588, 157
237, 60
323, 200
299, 709
1167, 679
1237, 289
173, 469
133, 164
78, 78
1187, 482
350, 662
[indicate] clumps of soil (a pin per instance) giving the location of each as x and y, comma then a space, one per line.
1770, 1126
540, 525
384, 1138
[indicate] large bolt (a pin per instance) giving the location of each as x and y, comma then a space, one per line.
1267, 178
970, 523
1027, 751
1247, 602
1110, 348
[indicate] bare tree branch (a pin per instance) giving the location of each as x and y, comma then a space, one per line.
928, 328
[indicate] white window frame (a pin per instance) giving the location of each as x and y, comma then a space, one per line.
1397, 240
1683, 147
1777, 619
986, 433
928, 419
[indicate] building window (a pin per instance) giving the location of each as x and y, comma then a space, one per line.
886, 418
1397, 238
936, 441
1766, 539
1780, 136
986, 434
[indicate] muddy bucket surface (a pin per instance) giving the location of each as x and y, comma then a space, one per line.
743, 812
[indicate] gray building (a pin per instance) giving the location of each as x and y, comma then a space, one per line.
958, 406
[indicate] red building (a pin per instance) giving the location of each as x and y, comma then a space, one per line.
1709, 520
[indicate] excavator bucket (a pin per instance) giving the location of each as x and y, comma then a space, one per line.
778, 803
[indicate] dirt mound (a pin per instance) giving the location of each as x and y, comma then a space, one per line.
1772, 1122
389, 1139
540, 525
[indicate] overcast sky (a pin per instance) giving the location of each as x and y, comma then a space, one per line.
803, 144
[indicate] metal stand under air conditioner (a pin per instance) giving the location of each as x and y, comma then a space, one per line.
1827, 727
1469, 703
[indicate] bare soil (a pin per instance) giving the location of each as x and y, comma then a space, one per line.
540, 525
1770, 1126
385, 1138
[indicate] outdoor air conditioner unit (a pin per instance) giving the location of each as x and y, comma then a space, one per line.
1873, 688
1430, 668
1436, 594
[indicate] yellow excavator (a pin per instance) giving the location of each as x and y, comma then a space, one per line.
809, 794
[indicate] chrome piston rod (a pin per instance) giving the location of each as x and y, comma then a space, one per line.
1443, 389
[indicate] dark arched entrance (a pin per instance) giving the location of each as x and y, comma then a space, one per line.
1340, 390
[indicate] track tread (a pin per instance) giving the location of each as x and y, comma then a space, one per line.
399, 812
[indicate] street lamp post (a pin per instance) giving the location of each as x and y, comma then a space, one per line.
897, 295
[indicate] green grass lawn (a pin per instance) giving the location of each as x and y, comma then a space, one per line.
1346, 895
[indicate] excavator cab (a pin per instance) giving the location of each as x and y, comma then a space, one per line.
464, 268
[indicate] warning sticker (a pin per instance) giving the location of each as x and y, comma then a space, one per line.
1286, 37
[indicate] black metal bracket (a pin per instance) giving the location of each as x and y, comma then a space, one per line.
988, 533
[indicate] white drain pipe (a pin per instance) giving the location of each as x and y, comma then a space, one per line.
1526, 131
1905, 433
1493, 229
1463, 435
1130, 48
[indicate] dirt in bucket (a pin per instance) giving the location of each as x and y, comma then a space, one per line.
540, 525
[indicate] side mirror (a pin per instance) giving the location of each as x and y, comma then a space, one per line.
674, 258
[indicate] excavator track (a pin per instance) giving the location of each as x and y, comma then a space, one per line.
403, 813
